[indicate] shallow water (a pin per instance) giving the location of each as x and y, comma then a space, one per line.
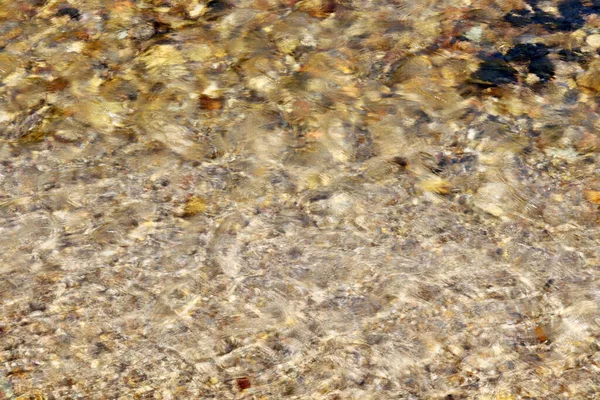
313, 199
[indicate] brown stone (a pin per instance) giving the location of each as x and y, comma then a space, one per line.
209, 103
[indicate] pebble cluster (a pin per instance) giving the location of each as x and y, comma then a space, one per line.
314, 199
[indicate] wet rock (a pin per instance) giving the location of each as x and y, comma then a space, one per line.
72, 12
587, 143
243, 383
37, 306
570, 18
194, 206
494, 73
593, 41
317, 8
543, 68
591, 78
536, 56
402, 162
518, 18
570, 55
161, 28
216, 9
143, 31
210, 103
493, 198
572, 11
593, 196
526, 52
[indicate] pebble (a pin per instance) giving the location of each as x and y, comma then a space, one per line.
593, 40
492, 198
593, 196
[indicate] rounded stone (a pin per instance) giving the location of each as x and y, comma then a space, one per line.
593, 40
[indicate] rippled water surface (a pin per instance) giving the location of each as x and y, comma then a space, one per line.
312, 199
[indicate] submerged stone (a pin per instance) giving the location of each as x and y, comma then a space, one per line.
518, 18
571, 55
570, 18
72, 12
542, 67
495, 72
526, 52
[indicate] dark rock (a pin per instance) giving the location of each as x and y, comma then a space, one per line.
157, 87
132, 95
73, 13
570, 19
459, 38
526, 52
37, 306
571, 55
319, 197
571, 97
161, 28
518, 18
216, 5
99, 348
100, 66
551, 23
295, 253
494, 73
572, 11
401, 161
468, 158
543, 68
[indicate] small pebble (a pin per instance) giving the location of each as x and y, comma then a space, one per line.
593, 40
